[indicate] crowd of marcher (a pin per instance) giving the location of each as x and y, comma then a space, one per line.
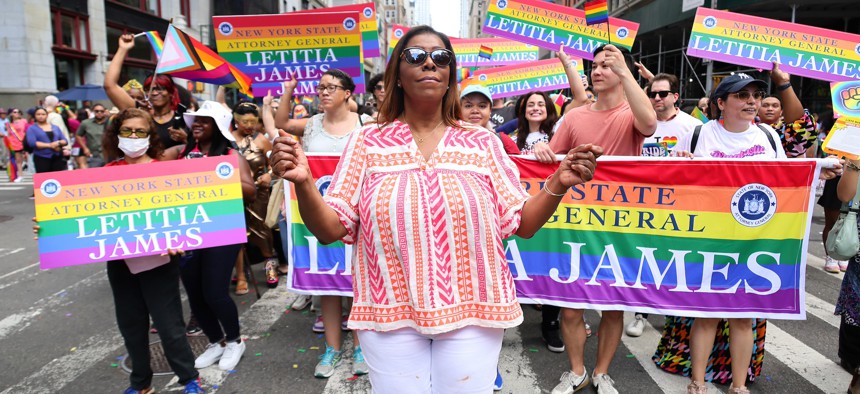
407, 336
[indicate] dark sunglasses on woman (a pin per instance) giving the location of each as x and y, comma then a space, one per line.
417, 56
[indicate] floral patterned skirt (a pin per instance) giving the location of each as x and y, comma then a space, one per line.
673, 351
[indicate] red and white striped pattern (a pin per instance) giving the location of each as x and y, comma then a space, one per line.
429, 233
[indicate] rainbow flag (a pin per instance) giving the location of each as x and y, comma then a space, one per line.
102, 214
155, 41
485, 52
698, 114
463, 74
187, 58
559, 102
655, 236
307, 100
596, 12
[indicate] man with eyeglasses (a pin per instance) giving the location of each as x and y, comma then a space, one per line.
90, 134
672, 123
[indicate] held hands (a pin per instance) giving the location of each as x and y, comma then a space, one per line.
288, 159
578, 165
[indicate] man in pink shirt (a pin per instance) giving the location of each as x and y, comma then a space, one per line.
619, 122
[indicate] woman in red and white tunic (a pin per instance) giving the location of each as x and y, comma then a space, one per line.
427, 202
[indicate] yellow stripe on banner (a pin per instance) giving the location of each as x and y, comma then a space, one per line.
294, 211
138, 202
781, 43
298, 43
688, 224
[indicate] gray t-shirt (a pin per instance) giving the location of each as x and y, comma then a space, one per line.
93, 132
316, 139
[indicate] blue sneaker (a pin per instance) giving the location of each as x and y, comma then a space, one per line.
147, 390
328, 361
193, 387
497, 385
359, 365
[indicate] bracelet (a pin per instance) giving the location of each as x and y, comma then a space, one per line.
851, 166
783, 87
545, 183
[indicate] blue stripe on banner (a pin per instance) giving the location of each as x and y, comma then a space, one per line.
787, 273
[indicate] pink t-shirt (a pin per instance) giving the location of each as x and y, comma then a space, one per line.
611, 129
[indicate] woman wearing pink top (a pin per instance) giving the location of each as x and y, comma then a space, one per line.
427, 203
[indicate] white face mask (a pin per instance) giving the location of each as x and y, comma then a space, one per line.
133, 147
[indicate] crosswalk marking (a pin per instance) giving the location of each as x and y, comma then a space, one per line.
817, 369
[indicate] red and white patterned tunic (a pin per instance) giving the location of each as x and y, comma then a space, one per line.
428, 233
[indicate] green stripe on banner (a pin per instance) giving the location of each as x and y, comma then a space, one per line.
786, 55
553, 241
300, 232
91, 223
562, 36
241, 59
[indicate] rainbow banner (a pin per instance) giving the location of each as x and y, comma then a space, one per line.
501, 52
846, 99
549, 26
366, 24
272, 48
698, 114
757, 42
155, 42
701, 238
544, 75
394, 35
109, 213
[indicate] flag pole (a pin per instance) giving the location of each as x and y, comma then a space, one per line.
158, 61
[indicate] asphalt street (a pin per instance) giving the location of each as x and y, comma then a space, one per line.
58, 334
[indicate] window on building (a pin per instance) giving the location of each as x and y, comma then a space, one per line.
185, 9
142, 51
150, 6
71, 31
391, 2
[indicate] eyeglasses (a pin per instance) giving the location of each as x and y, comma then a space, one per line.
139, 133
379, 87
661, 93
417, 56
744, 95
247, 122
98, 111
330, 89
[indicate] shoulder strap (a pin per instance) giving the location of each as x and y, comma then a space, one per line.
769, 138
360, 120
695, 139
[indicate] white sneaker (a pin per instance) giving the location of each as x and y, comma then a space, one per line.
210, 356
301, 303
604, 384
831, 266
843, 265
636, 327
232, 353
571, 383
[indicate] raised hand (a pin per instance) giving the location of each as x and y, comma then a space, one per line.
614, 59
578, 165
267, 100
778, 76
644, 71
288, 159
126, 41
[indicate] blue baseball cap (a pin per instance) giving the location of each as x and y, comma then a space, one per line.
734, 83
476, 88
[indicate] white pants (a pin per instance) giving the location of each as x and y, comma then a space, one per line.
406, 362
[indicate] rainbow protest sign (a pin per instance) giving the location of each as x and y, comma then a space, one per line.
757, 42
394, 35
271, 48
549, 25
543, 75
502, 52
843, 140
715, 238
114, 213
846, 98
366, 23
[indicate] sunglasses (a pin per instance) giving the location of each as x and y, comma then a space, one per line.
378, 87
661, 93
417, 56
126, 132
744, 95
